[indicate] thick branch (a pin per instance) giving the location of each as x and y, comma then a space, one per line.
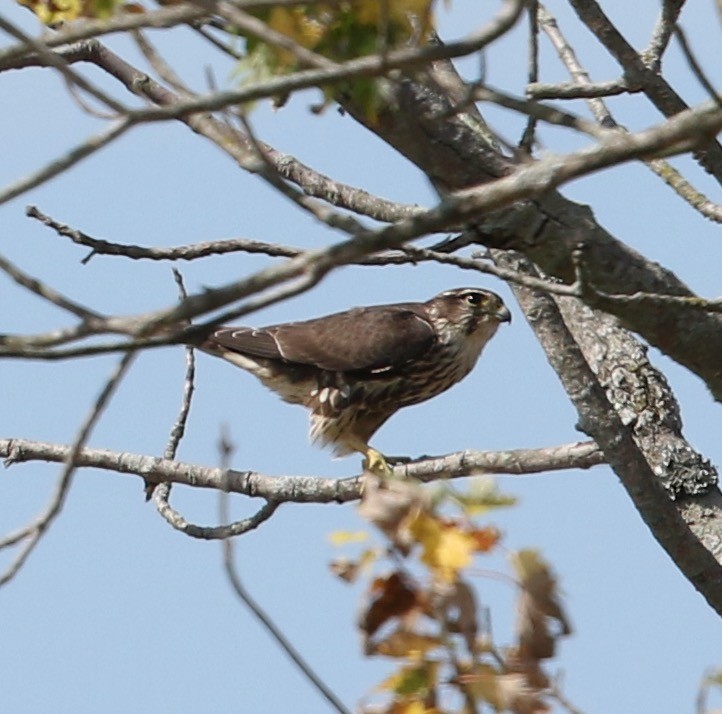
452, 151
629, 446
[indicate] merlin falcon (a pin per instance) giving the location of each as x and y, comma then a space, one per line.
355, 369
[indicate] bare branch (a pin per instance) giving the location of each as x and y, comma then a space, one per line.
223, 532
44, 291
234, 143
656, 88
255, 608
63, 163
165, 17
306, 489
579, 90
661, 168
184, 252
178, 429
528, 138
54, 60
663, 31
568, 56
33, 532
533, 109
694, 65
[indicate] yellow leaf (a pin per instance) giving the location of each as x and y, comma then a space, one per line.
411, 707
412, 680
446, 548
454, 549
415, 707
295, 23
482, 496
343, 537
403, 14
406, 643
54, 11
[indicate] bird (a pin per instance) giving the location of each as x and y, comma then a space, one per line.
354, 369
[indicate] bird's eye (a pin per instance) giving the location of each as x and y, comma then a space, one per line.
473, 298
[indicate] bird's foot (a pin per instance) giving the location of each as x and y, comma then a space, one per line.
377, 464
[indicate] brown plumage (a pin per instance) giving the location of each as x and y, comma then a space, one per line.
355, 369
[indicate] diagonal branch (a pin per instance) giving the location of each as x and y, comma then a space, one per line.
636, 456
30, 535
44, 291
546, 227
653, 84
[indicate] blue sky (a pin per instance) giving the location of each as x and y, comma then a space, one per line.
117, 612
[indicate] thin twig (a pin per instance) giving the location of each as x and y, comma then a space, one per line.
662, 169
178, 429
254, 607
695, 66
75, 32
71, 157
56, 61
526, 143
662, 33
267, 171
656, 88
566, 53
161, 67
42, 290
33, 532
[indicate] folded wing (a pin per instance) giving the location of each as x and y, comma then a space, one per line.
372, 339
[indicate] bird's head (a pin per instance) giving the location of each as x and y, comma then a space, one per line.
467, 311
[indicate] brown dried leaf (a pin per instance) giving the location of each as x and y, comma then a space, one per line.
458, 603
485, 538
504, 692
392, 597
538, 603
389, 504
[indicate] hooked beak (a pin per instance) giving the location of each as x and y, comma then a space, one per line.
502, 314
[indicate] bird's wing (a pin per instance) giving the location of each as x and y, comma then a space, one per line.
372, 339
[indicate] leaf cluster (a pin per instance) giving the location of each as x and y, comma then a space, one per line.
423, 612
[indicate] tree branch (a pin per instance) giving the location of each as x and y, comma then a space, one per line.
307, 489
633, 447
31, 534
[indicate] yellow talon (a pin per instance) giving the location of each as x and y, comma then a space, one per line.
376, 463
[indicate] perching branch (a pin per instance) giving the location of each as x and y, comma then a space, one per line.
306, 489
